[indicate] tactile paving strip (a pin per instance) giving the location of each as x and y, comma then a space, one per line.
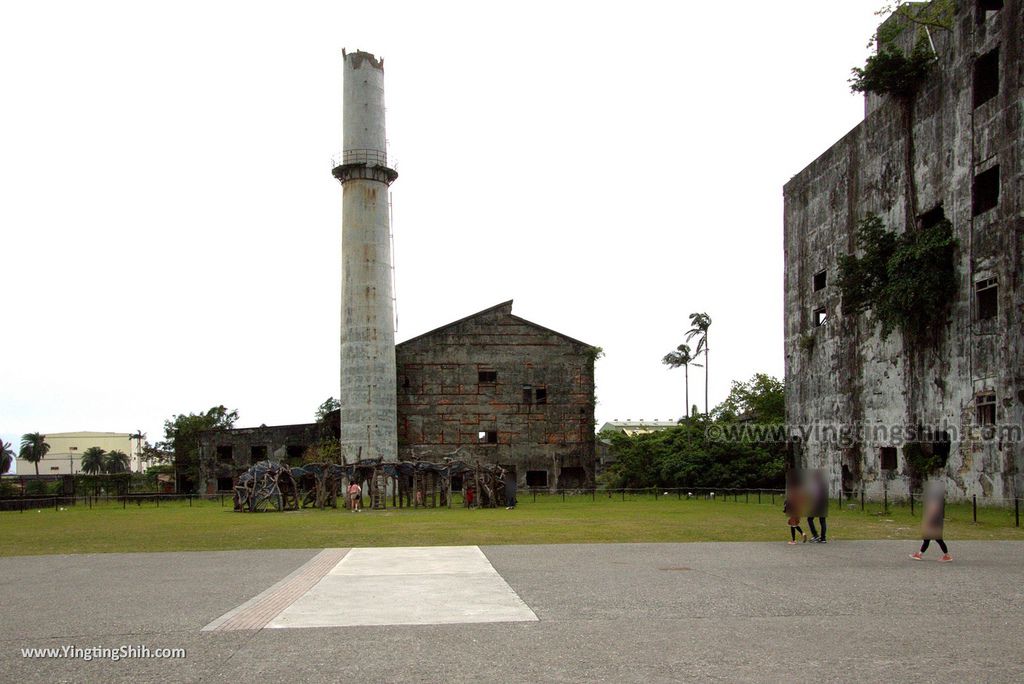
257, 612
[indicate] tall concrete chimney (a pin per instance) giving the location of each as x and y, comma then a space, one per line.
368, 413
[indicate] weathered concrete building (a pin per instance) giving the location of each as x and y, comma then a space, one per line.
964, 154
499, 389
491, 387
225, 454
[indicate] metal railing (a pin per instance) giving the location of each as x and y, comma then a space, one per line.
367, 157
1006, 511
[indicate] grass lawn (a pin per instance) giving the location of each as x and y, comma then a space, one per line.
208, 526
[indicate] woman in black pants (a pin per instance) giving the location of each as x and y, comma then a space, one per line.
818, 497
931, 521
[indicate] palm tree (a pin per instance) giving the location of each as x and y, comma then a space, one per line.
699, 324
682, 357
33, 448
92, 460
6, 456
116, 462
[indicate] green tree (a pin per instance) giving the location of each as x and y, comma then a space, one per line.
762, 399
325, 409
709, 451
6, 456
181, 436
155, 454
33, 448
93, 460
116, 462
699, 325
681, 357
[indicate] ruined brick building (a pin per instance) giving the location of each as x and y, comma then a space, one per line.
965, 157
491, 387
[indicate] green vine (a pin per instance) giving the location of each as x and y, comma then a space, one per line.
890, 72
906, 281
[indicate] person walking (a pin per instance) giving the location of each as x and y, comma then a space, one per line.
355, 496
794, 523
510, 489
818, 497
932, 518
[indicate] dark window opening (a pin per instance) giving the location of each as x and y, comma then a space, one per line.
536, 478
572, 477
225, 454
257, 453
295, 452
985, 6
986, 77
931, 218
986, 298
225, 484
942, 445
488, 377
820, 316
819, 281
527, 394
456, 483
887, 456
542, 395
487, 437
405, 382
985, 408
985, 191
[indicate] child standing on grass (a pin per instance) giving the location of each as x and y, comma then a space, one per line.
931, 520
355, 495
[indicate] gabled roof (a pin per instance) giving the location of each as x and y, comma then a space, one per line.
505, 308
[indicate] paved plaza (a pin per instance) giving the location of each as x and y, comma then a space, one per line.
618, 612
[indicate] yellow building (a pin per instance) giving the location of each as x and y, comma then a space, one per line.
66, 449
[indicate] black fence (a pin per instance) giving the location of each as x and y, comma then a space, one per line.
56, 502
995, 510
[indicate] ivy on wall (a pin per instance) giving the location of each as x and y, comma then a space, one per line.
906, 281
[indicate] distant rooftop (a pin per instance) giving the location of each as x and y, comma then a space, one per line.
639, 426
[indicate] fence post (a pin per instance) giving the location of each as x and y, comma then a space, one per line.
535, 495
911, 504
124, 502
190, 501
563, 494
593, 494
758, 496
1016, 512
623, 493
862, 498
55, 503
773, 497
975, 506
885, 498
746, 496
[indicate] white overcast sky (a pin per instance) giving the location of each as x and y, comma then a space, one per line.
171, 230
